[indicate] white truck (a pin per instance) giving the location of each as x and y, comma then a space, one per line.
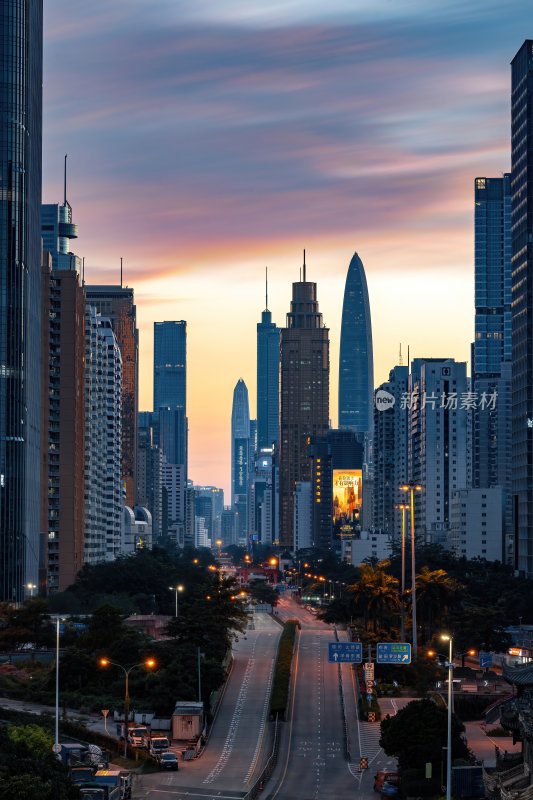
136, 733
156, 745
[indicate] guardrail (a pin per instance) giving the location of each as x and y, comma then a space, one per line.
268, 769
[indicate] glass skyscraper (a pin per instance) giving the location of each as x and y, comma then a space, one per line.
356, 361
521, 306
267, 381
170, 389
491, 351
21, 34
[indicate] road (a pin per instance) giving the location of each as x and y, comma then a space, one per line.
312, 763
234, 753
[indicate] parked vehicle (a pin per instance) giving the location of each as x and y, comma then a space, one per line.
82, 774
385, 776
136, 733
158, 745
94, 791
168, 761
389, 789
116, 779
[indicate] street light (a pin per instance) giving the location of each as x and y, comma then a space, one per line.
31, 587
413, 487
56, 744
105, 662
219, 545
449, 639
403, 508
176, 589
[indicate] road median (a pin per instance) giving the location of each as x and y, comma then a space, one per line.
282, 672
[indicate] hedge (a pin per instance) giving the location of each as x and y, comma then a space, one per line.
282, 674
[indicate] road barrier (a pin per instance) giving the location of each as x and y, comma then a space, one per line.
268, 769
347, 754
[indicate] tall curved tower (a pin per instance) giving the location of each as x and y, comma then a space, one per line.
356, 362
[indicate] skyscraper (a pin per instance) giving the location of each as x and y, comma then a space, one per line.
116, 303
240, 453
304, 410
21, 35
491, 351
356, 361
170, 365
521, 306
267, 380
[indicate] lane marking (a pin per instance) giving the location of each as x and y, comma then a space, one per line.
261, 726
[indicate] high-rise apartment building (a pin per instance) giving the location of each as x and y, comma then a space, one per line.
21, 35
356, 361
491, 351
240, 456
57, 230
66, 429
267, 380
304, 397
116, 303
104, 490
521, 305
149, 471
391, 430
437, 443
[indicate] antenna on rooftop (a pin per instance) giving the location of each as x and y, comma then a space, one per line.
400, 359
121, 272
304, 265
266, 288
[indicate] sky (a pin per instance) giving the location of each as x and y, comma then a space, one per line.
208, 139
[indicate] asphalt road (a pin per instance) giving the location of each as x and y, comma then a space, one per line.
234, 752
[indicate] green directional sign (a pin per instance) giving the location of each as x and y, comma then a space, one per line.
393, 653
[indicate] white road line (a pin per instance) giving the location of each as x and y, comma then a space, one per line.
262, 725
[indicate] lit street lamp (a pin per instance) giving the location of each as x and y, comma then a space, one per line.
449, 639
176, 589
413, 487
104, 662
31, 587
404, 508
219, 545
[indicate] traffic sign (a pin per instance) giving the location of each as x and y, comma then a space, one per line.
345, 652
485, 660
369, 698
393, 653
371, 716
56, 748
363, 763
369, 671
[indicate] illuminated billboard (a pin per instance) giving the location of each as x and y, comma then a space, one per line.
347, 495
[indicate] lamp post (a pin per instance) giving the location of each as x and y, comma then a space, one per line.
449, 639
404, 508
56, 745
412, 488
31, 587
219, 545
104, 662
176, 589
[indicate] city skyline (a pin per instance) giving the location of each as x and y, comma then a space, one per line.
245, 173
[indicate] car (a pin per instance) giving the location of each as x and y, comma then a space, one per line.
389, 789
168, 761
385, 776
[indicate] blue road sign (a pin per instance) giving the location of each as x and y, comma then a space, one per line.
393, 653
485, 660
395, 683
369, 698
345, 652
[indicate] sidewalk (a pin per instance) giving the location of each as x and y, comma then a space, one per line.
483, 746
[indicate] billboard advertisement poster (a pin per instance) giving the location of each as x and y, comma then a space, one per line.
347, 494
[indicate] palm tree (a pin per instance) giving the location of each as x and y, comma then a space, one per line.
375, 593
435, 594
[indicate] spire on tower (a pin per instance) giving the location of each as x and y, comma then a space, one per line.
304, 265
266, 288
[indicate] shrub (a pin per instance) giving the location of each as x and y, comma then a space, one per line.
282, 673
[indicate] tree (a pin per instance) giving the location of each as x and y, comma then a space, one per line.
435, 594
418, 732
28, 775
375, 594
263, 592
36, 738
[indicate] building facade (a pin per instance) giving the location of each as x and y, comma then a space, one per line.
104, 489
240, 456
521, 305
391, 430
477, 524
66, 430
304, 397
117, 304
492, 348
21, 34
170, 388
437, 443
267, 381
